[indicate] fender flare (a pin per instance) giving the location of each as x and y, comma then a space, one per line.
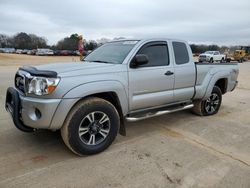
216, 76
87, 89
92, 88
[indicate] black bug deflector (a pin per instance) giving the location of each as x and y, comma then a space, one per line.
43, 73
12, 105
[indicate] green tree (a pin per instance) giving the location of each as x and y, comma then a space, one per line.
68, 43
28, 41
22, 40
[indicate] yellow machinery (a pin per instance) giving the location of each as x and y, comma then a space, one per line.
242, 55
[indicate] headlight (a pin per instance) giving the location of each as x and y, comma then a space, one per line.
42, 85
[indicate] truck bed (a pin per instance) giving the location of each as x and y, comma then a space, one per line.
208, 72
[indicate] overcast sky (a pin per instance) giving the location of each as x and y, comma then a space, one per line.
212, 21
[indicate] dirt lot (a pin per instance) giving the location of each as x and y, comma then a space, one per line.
175, 150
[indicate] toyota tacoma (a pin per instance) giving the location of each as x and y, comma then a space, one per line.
121, 81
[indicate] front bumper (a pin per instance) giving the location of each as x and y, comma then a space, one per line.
29, 113
204, 58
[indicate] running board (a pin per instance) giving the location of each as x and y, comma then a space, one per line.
158, 113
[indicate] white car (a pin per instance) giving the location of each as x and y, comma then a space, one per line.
19, 51
44, 51
211, 56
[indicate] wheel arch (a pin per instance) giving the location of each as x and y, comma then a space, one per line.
111, 91
113, 98
220, 80
222, 83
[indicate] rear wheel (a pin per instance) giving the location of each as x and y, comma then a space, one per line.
91, 126
209, 106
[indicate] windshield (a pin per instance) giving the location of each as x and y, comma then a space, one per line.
112, 52
209, 52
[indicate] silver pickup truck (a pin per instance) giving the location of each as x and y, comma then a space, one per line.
121, 81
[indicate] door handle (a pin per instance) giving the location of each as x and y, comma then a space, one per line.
168, 73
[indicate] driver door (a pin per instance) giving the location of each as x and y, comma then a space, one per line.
152, 84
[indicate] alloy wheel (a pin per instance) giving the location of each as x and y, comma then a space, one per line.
94, 128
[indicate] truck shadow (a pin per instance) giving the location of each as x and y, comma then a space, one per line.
44, 144
52, 140
156, 124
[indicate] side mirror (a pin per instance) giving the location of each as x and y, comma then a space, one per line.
139, 59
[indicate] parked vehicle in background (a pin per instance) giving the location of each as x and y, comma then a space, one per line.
76, 52
7, 50
25, 51
19, 51
11, 50
44, 51
211, 56
121, 80
67, 52
57, 52
64, 52
242, 55
71, 52
32, 52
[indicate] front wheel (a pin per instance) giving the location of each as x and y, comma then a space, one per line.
211, 60
91, 126
209, 106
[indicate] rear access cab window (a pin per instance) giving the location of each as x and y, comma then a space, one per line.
180, 53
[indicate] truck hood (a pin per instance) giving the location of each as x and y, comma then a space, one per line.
204, 54
79, 68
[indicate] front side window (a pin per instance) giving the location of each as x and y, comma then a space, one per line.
112, 52
209, 52
180, 53
157, 54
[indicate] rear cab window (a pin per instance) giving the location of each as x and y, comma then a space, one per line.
180, 53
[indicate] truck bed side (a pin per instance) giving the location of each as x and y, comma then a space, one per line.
209, 74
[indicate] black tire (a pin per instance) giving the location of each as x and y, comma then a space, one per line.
81, 113
201, 107
222, 60
211, 60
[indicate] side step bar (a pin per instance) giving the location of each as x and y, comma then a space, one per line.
158, 113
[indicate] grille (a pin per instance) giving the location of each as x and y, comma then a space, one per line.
20, 82
202, 56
